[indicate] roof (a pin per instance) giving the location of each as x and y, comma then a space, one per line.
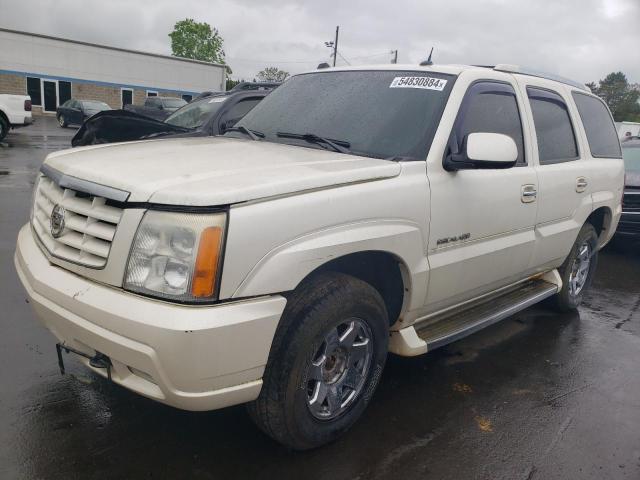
117, 49
458, 69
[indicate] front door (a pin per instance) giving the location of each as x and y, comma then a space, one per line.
482, 221
50, 93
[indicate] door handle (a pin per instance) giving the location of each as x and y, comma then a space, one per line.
528, 193
581, 184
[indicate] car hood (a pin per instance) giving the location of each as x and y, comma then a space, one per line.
214, 170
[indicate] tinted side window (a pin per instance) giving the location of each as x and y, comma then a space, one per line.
239, 110
599, 126
488, 107
556, 139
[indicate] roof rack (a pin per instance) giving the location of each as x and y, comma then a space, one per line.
503, 67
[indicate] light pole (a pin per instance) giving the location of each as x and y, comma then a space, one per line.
334, 45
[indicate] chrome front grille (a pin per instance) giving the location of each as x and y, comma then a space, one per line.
89, 224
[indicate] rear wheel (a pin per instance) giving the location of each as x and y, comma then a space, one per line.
62, 121
325, 361
4, 127
578, 269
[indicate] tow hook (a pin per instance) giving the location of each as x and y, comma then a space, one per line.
99, 360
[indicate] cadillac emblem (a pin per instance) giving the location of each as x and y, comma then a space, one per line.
56, 223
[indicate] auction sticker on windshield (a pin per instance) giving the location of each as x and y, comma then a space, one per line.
427, 83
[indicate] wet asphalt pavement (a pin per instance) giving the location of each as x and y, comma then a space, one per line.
538, 396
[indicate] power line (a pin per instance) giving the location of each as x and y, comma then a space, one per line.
370, 56
235, 59
342, 57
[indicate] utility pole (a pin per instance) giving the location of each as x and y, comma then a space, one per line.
395, 56
335, 46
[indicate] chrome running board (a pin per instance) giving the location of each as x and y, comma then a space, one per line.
458, 323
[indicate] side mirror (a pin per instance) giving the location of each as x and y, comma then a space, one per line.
484, 150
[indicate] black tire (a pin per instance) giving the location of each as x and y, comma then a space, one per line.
282, 410
4, 127
62, 121
566, 300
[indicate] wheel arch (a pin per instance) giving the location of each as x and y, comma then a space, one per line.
371, 251
384, 271
601, 219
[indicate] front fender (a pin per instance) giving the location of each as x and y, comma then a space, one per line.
284, 267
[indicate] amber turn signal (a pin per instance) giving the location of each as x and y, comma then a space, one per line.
205, 271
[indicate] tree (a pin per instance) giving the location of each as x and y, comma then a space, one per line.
621, 97
232, 83
272, 74
191, 39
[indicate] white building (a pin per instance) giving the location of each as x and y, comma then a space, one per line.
51, 70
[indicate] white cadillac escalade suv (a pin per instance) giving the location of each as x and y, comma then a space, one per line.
352, 213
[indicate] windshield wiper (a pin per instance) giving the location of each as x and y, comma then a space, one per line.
253, 134
338, 145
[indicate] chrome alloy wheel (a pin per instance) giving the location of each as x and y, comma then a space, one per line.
338, 370
580, 269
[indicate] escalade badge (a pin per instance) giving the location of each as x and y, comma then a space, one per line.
56, 223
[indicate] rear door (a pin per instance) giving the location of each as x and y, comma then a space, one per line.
482, 221
564, 191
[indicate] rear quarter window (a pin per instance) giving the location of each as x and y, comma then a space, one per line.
598, 125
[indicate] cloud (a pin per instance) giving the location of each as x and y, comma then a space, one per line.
581, 39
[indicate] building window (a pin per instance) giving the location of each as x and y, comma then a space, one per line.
64, 91
33, 90
127, 96
151, 93
187, 98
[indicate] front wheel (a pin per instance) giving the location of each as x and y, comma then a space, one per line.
325, 362
62, 121
578, 269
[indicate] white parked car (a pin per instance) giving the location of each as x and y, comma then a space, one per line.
353, 212
15, 111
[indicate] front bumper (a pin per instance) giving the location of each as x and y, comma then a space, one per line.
189, 357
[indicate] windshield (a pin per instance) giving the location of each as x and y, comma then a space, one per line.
631, 157
380, 114
173, 102
194, 114
95, 106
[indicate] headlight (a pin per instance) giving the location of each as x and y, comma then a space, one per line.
176, 256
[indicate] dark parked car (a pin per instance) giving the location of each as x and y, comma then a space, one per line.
157, 107
75, 112
212, 115
629, 226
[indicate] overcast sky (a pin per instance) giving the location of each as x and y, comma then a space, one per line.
581, 39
